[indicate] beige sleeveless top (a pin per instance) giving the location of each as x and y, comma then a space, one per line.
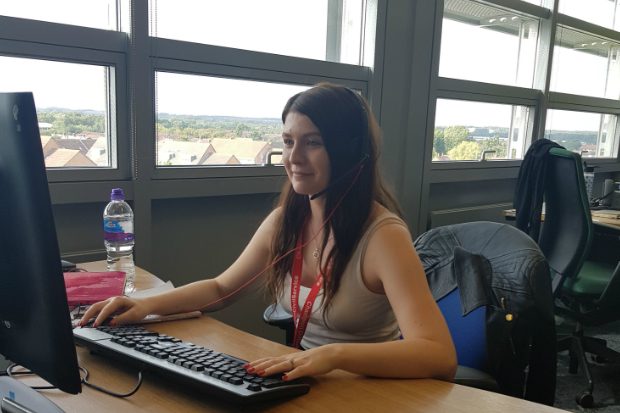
356, 315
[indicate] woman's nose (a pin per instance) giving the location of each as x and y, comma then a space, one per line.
296, 154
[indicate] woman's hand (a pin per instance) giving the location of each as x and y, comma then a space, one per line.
125, 310
319, 360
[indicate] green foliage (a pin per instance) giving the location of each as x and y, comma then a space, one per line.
453, 136
439, 144
189, 128
66, 122
466, 150
496, 144
178, 127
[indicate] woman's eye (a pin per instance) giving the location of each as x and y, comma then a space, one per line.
313, 142
288, 142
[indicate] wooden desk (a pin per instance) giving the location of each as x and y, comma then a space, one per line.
605, 218
338, 391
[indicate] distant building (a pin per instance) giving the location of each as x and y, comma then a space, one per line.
48, 144
76, 143
222, 159
246, 150
98, 153
173, 152
67, 158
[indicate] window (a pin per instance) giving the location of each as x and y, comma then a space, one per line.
209, 121
489, 44
315, 29
597, 59
583, 132
98, 14
604, 13
465, 129
499, 66
72, 108
485, 92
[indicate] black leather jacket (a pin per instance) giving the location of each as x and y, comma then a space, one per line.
500, 267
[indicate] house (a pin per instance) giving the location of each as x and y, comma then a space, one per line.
67, 158
246, 150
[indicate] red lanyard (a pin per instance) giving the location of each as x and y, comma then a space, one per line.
301, 319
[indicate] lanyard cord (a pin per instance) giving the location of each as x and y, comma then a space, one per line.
301, 318
289, 252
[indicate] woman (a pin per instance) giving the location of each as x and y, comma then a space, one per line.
333, 252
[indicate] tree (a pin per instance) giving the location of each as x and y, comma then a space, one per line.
453, 136
495, 144
465, 150
439, 144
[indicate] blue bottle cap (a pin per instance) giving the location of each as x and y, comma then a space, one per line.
117, 194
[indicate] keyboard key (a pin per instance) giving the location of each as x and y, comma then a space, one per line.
271, 383
254, 387
236, 380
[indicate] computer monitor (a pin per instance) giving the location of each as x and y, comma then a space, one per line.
35, 326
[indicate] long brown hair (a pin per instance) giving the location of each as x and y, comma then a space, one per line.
351, 137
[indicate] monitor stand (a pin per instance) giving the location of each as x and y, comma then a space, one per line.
16, 397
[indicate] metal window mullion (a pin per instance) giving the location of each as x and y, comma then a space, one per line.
141, 98
585, 103
210, 54
587, 27
334, 30
542, 76
521, 7
46, 33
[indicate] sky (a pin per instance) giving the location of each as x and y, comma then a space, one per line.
271, 22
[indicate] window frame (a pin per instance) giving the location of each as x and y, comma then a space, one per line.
358, 79
539, 98
22, 38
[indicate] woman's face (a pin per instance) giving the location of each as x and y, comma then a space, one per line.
304, 156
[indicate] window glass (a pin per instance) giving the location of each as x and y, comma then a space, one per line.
207, 121
488, 44
72, 102
99, 14
464, 129
584, 64
302, 28
591, 134
605, 13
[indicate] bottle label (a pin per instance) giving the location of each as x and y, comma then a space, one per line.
117, 231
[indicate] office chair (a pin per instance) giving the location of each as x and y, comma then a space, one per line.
492, 284
586, 288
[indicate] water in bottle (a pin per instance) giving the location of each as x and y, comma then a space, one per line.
119, 237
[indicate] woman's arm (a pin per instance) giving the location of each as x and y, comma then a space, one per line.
390, 265
208, 295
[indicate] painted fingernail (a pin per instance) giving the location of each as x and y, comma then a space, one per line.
284, 377
261, 373
250, 369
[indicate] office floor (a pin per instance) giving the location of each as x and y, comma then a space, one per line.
606, 378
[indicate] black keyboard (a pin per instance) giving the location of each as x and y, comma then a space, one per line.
215, 373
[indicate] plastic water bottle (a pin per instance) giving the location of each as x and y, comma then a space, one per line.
119, 237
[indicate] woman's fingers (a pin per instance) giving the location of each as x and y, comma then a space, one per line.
104, 310
273, 365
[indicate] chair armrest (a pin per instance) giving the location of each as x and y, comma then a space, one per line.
275, 315
471, 377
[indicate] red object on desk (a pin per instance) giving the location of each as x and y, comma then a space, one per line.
85, 288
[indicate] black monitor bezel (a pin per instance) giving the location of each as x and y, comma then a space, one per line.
35, 326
